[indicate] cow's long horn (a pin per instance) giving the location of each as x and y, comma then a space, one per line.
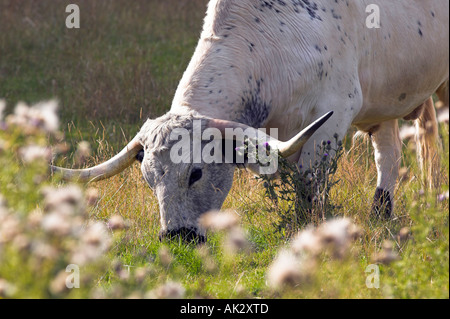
285, 149
105, 170
289, 148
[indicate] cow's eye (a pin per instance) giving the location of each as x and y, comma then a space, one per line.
196, 174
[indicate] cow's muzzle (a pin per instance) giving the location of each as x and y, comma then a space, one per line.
189, 235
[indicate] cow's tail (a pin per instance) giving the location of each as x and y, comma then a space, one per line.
428, 145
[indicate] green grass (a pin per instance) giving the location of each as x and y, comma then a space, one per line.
123, 65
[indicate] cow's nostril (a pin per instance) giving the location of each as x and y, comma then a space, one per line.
186, 234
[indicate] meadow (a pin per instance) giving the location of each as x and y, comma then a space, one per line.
121, 67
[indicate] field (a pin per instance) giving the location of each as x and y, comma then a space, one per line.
121, 67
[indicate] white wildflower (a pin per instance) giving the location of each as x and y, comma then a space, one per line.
217, 221
338, 234
236, 240
170, 290
10, 227
443, 115
33, 153
97, 234
63, 199
404, 234
95, 241
41, 116
165, 256
407, 132
6, 289
82, 153
307, 241
56, 224
46, 116
44, 250
91, 196
116, 222
285, 270
58, 284
387, 255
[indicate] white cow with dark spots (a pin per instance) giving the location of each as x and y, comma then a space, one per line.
283, 64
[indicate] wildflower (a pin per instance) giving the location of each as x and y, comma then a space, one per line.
10, 227
57, 198
34, 218
387, 255
407, 132
337, 234
116, 222
21, 242
140, 274
82, 153
403, 174
285, 270
56, 224
96, 234
58, 284
307, 241
165, 256
217, 221
95, 241
33, 153
443, 196
170, 290
43, 250
235, 240
41, 116
45, 115
6, 289
404, 234
91, 195
443, 115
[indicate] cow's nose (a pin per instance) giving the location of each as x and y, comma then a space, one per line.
187, 234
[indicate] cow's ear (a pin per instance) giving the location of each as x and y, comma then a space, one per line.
140, 156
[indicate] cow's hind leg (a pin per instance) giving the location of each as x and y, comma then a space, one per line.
387, 144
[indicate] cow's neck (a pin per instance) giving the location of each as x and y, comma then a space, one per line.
218, 85
239, 73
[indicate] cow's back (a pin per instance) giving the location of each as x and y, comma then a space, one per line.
405, 60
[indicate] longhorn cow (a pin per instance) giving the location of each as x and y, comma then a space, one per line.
283, 64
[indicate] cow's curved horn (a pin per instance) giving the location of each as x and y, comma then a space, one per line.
289, 148
105, 170
285, 149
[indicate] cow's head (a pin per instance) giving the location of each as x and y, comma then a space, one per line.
185, 188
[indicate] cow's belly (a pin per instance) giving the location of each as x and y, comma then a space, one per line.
404, 62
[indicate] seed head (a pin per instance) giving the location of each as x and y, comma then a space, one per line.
218, 221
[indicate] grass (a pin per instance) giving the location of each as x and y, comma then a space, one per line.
123, 65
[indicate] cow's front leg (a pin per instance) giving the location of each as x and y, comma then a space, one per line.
387, 144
